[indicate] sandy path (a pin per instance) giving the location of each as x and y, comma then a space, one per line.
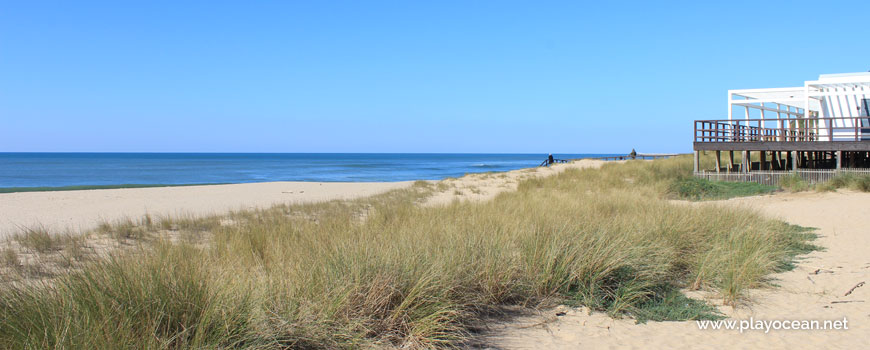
82, 210
485, 186
803, 294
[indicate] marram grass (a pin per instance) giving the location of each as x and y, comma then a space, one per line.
386, 271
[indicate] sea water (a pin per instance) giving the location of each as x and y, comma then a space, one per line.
101, 169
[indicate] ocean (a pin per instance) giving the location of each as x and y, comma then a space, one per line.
109, 169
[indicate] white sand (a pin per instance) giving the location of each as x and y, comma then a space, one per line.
803, 294
75, 211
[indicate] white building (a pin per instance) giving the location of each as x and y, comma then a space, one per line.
834, 104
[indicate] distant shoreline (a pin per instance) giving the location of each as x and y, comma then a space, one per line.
94, 187
82, 210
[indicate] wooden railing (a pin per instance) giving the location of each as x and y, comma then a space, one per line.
637, 156
546, 162
782, 130
609, 158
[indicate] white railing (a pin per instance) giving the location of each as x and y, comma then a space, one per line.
772, 178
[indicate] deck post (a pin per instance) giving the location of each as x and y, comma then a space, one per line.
730, 160
744, 163
718, 164
839, 159
794, 155
762, 160
697, 163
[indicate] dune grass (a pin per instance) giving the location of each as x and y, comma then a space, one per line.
846, 180
41, 240
385, 270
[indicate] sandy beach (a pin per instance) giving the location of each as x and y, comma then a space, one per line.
76, 211
815, 290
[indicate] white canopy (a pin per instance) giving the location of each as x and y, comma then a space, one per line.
832, 95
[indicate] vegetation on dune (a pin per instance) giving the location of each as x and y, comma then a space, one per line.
846, 180
693, 188
794, 183
384, 270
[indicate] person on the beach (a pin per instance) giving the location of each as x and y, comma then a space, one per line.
550, 159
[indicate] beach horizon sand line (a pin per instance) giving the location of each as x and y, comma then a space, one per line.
84, 209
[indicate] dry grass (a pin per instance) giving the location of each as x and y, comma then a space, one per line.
10, 258
40, 240
383, 270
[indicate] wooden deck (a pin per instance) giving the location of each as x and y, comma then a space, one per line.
791, 143
784, 134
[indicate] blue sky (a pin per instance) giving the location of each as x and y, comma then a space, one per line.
403, 76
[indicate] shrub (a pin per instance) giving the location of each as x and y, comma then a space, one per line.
793, 183
694, 188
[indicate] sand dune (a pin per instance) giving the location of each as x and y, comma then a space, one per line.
485, 186
815, 290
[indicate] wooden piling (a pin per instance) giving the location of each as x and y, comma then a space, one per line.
839, 159
730, 160
794, 160
718, 166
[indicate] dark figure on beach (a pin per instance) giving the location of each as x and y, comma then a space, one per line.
550, 159
633, 154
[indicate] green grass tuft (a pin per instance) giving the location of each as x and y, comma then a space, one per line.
671, 305
797, 243
40, 240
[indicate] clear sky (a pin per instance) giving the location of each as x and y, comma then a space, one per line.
402, 76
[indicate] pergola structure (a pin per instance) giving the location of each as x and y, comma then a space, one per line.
814, 123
